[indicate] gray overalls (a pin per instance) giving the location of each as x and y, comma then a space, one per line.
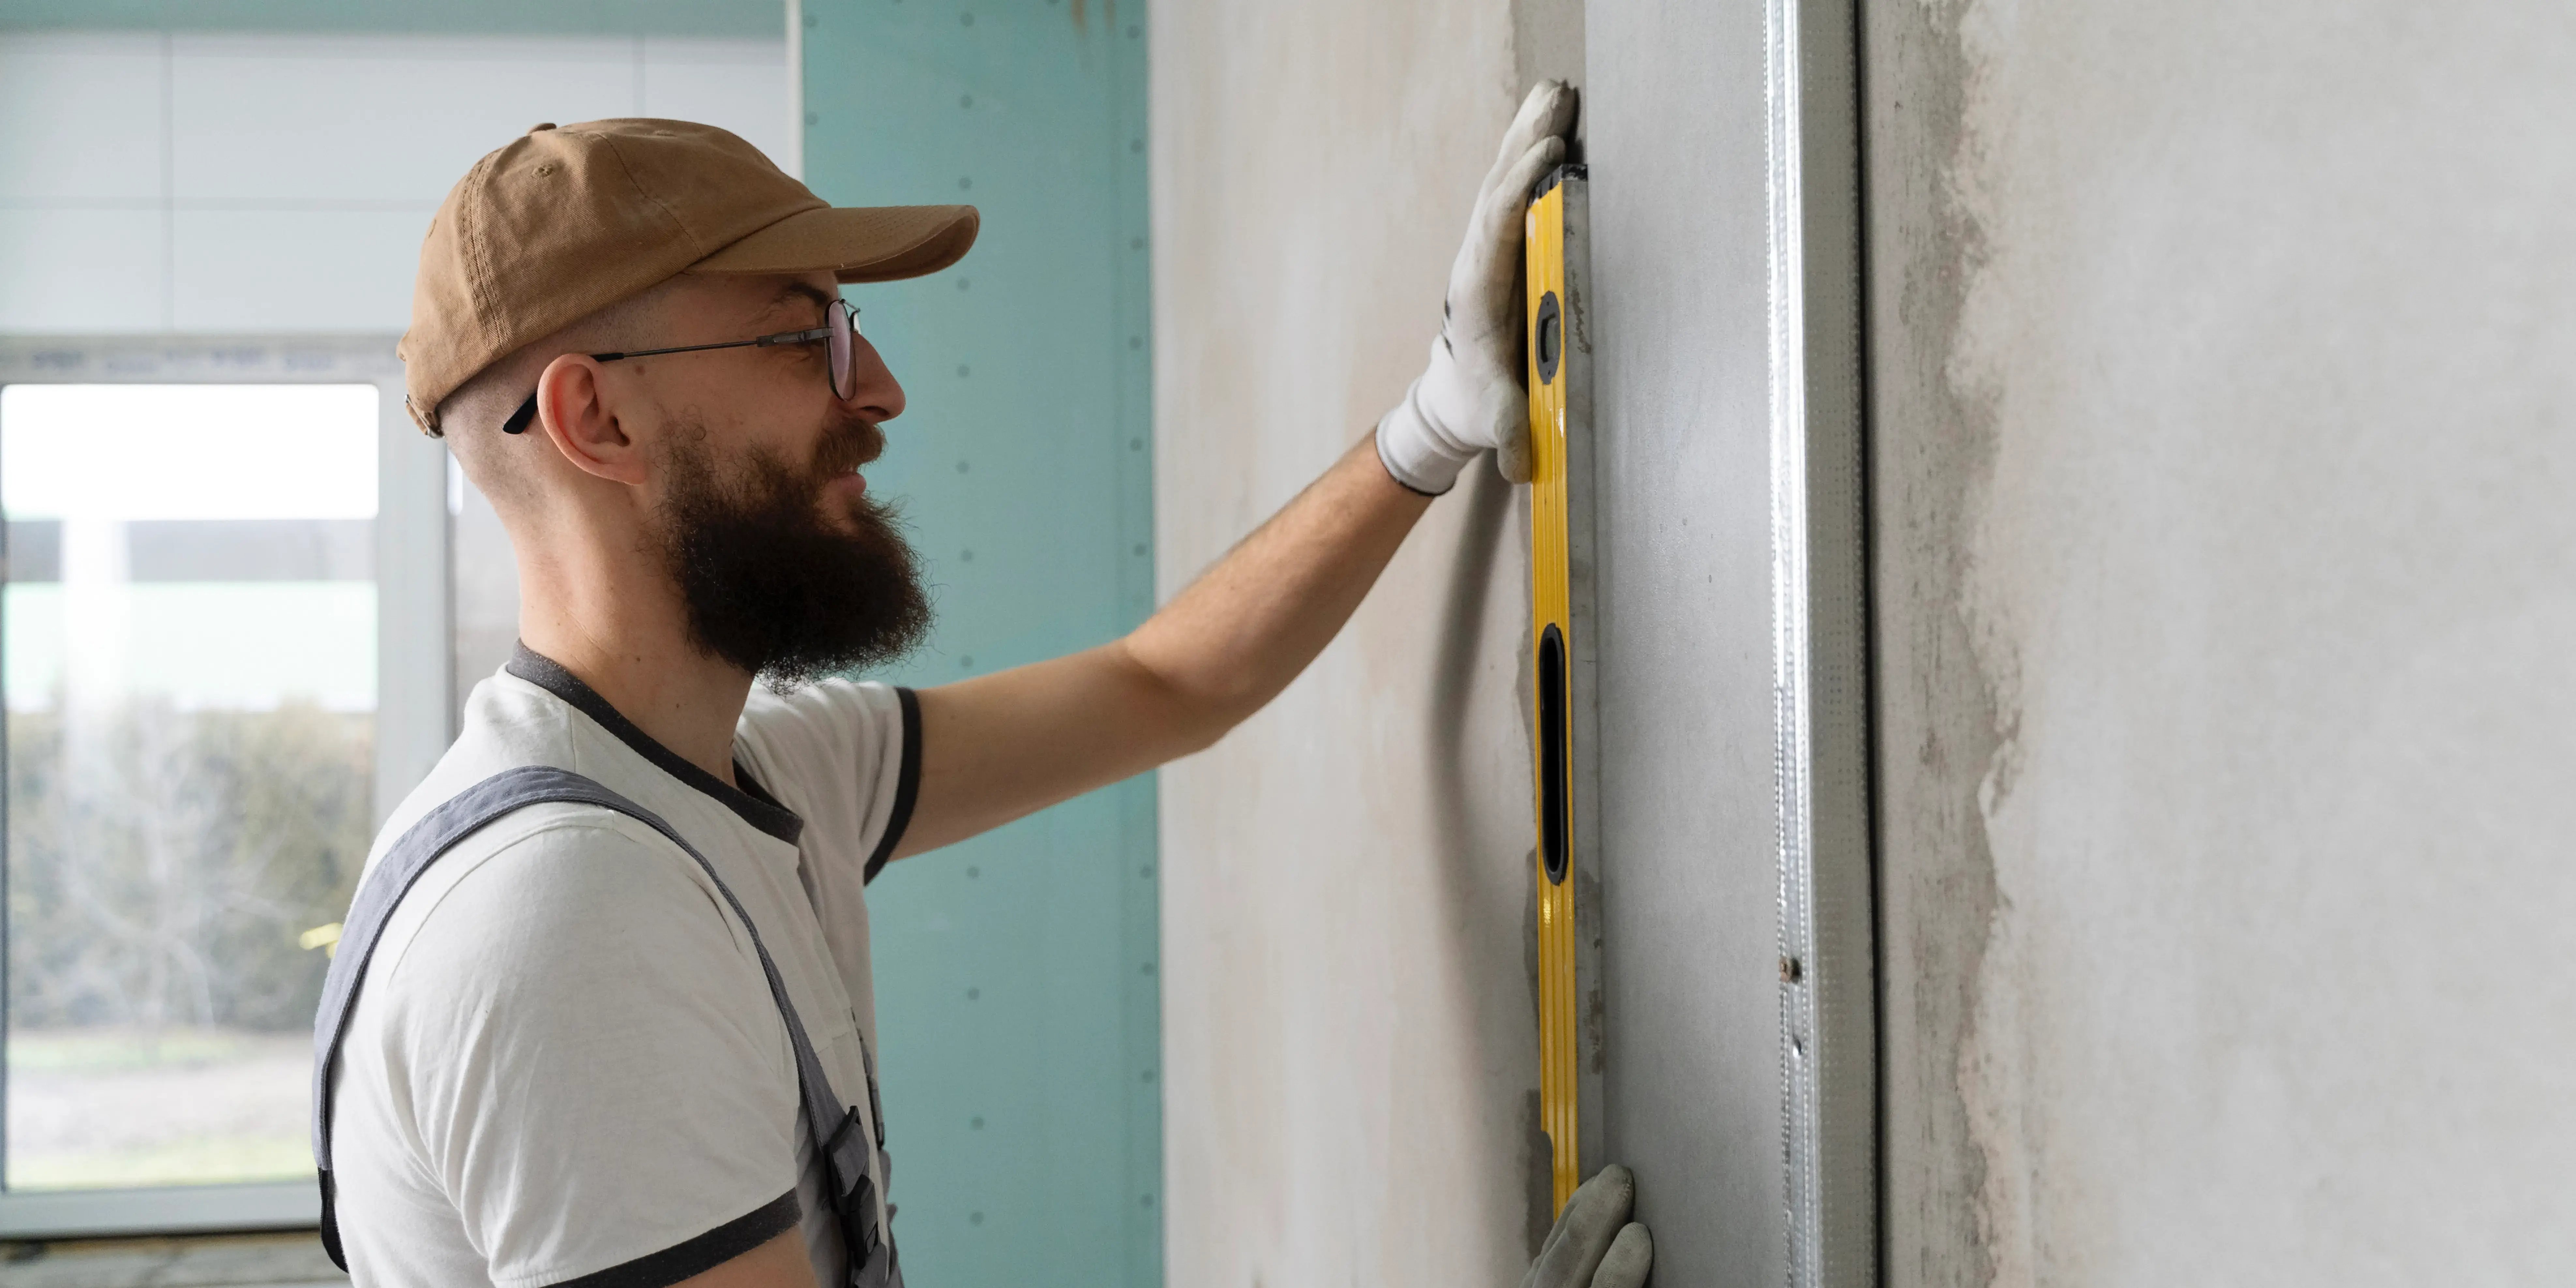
839, 1131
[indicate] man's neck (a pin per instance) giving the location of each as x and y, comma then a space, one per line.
641, 662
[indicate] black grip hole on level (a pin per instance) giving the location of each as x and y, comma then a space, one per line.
1551, 754
1545, 340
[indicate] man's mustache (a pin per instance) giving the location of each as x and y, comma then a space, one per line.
848, 447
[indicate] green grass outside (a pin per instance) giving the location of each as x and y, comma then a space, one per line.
211, 1160
158, 1068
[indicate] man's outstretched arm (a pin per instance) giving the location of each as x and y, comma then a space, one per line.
1004, 745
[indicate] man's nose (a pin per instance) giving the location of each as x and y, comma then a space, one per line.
879, 396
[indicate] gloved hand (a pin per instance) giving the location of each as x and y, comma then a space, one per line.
1472, 397
1594, 1244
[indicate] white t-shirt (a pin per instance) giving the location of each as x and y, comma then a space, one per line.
564, 1065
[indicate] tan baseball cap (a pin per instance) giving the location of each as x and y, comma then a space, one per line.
571, 219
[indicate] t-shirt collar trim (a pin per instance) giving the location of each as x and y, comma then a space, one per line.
750, 801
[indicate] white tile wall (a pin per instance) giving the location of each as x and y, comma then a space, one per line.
293, 269
703, 80
268, 119
222, 183
72, 270
80, 118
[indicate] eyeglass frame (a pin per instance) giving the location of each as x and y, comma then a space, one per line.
527, 413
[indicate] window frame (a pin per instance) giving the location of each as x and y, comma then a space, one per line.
415, 708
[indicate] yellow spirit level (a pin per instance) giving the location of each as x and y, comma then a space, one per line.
1563, 723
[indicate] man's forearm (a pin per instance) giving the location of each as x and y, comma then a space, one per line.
1247, 626
996, 747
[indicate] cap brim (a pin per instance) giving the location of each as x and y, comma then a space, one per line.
854, 244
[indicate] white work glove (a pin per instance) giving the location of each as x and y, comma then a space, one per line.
1594, 1244
1472, 397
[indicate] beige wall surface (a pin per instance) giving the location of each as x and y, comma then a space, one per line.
2225, 430
1349, 1033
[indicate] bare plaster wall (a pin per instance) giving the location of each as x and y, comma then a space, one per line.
1349, 1029
2224, 424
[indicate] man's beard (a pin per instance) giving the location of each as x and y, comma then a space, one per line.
773, 587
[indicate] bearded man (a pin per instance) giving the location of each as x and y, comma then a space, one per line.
602, 1014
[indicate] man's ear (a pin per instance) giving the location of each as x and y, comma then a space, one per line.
573, 405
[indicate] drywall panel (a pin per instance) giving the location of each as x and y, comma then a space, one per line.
1681, 311
1349, 1015
1017, 973
1349, 1003
2225, 437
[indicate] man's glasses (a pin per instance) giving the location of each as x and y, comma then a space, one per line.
840, 332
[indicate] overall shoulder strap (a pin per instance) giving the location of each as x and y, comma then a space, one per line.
834, 1124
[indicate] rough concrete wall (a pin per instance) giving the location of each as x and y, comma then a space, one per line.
2223, 443
1350, 1044
1931, 446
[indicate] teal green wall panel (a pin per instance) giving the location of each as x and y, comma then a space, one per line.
1018, 1005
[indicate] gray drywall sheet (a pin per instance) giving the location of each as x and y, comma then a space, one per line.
1350, 1020
1727, 749
1348, 941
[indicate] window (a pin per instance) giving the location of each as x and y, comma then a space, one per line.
223, 658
